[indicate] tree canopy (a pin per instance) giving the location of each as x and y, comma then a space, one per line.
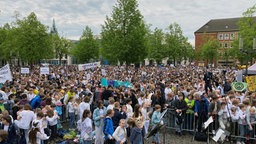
87, 48
123, 34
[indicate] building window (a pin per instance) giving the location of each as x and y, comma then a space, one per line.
226, 36
226, 45
220, 36
232, 36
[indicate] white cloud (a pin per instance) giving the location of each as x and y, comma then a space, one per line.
71, 16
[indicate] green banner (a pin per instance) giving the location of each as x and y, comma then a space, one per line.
239, 86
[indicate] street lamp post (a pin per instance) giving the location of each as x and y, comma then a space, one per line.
246, 51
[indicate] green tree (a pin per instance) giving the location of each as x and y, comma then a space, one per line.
209, 49
123, 34
247, 31
87, 48
33, 41
156, 45
176, 43
61, 47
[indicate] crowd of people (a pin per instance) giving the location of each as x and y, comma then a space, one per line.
33, 107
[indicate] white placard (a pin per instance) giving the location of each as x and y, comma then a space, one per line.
82, 67
208, 122
44, 70
24, 70
88, 76
5, 74
103, 72
219, 134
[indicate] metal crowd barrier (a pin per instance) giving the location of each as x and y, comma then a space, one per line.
190, 124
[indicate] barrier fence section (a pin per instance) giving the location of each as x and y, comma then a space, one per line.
192, 124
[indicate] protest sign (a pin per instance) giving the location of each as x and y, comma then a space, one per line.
44, 70
82, 67
103, 72
24, 70
5, 74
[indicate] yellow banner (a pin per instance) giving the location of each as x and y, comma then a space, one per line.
251, 82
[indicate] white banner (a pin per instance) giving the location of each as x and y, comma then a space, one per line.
44, 70
88, 66
24, 70
5, 74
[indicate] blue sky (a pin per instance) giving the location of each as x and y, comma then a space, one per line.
71, 16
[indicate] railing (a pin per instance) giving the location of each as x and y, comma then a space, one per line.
190, 124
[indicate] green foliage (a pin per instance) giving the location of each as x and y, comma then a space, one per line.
87, 48
123, 34
177, 46
209, 50
61, 46
156, 45
33, 41
247, 30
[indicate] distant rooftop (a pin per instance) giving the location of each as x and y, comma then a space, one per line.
220, 25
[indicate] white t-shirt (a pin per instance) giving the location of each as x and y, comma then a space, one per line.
71, 108
83, 106
27, 117
110, 107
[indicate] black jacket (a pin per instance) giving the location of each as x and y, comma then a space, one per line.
12, 133
182, 105
117, 116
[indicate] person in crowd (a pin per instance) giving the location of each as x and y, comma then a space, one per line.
137, 132
118, 114
251, 121
35, 135
180, 109
129, 108
36, 101
155, 120
111, 103
3, 137
224, 115
71, 112
24, 118
52, 118
98, 117
201, 109
145, 115
108, 127
85, 105
120, 133
84, 125
189, 117
9, 127
23, 100
242, 123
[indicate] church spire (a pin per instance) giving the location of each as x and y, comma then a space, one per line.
54, 29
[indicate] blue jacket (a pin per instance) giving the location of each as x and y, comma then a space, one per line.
137, 135
35, 102
96, 116
202, 106
108, 128
156, 117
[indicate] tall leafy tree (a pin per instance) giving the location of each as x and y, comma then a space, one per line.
209, 49
156, 45
247, 31
61, 47
123, 34
33, 41
175, 43
87, 48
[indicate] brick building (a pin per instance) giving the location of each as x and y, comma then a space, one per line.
224, 30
